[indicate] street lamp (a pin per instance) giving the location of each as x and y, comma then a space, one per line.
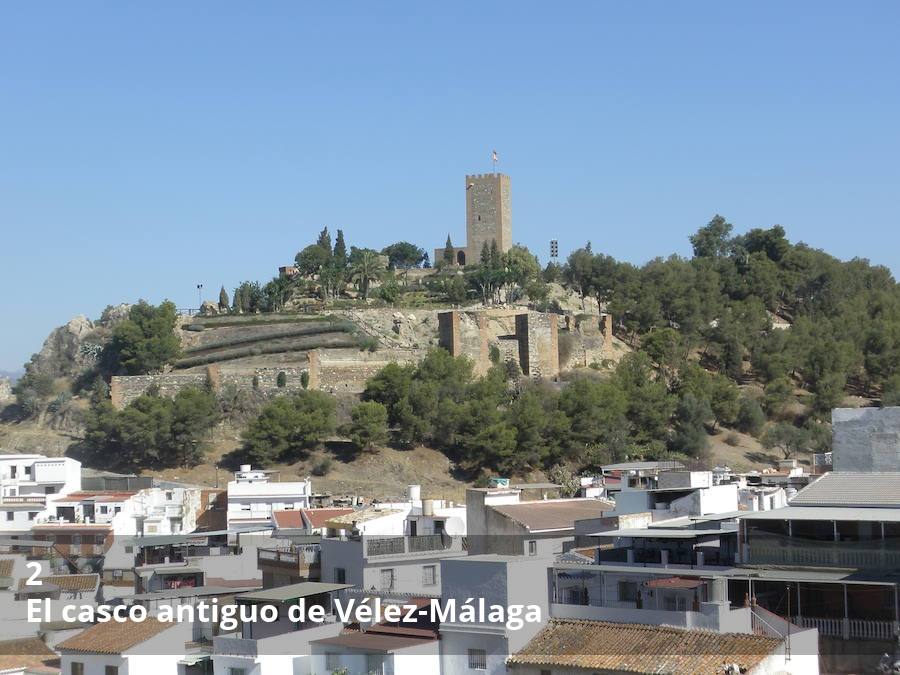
199, 295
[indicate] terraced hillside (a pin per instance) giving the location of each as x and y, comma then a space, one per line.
261, 341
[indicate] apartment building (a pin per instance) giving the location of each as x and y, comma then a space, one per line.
253, 496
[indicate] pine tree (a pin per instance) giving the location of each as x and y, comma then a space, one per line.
340, 250
324, 239
426, 262
448, 251
223, 300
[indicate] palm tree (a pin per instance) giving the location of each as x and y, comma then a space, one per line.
366, 265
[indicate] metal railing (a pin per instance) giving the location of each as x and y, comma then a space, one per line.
380, 546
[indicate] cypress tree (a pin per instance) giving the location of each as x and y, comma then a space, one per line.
448, 251
223, 299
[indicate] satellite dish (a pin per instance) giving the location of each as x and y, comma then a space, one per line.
454, 526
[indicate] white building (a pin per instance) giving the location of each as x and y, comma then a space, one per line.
500, 580
282, 646
679, 493
147, 647
395, 547
26, 483
252, 497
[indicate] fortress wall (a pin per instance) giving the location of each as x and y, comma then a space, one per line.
528, 338
346, 372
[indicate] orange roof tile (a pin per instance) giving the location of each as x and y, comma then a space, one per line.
318, 517
114, 637
67, 582
27, 653
96, 496
635, 648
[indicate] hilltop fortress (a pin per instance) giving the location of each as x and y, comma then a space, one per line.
488, 218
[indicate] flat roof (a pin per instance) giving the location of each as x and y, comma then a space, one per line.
372, 642
826, 513
550, 515
658, 533
641, 466
173, 593
167, 539
741, 573
292, 592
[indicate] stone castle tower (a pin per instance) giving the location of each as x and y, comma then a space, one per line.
488, 217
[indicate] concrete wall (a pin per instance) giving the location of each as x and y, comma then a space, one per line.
866, 439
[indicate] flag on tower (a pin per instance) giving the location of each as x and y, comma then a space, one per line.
494, 156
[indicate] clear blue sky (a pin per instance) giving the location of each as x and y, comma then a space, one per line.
146, 147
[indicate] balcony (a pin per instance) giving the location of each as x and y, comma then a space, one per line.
40, 500
424, 546
840, 554
301, 561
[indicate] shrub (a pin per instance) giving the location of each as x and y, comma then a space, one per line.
750, 416
733, 439
321, 467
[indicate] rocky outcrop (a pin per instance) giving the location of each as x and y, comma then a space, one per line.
6, 394
71, 349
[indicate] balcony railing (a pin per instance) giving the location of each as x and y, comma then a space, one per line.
23, 499
303, 559
386, 546
847, 629
852, 556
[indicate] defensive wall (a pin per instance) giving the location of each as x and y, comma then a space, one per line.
529, 339
332, 371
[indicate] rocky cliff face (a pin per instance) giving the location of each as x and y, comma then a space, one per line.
6, 394
73, 348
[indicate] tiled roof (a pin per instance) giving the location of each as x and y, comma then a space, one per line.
847, 488
361, 516
67, 582
96, 496
6, 567
298, 519
553, 514
114, 637
372, 642
635, 648
26, 653
288, 520
318, 517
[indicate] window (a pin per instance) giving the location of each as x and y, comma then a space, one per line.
332, 662
32, 515
428, 575
477, 659
546, 672
439, 527
170, 496
387, 580
129, 549
532, 547
340, 575
76, 540
10, 515
374, 663
237, 671
111, 670
117, 574
28, 472
628, 591
77, 668
103, 509
12, 471
49, 490
99, 539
